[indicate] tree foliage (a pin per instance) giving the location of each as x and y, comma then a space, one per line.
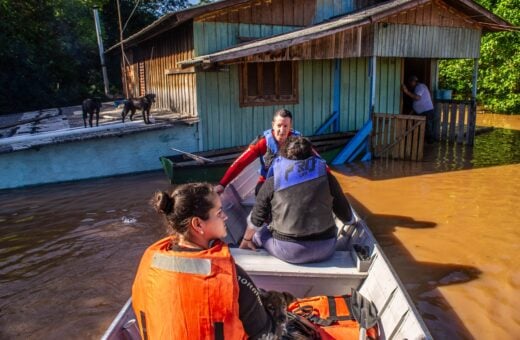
49, 55
499, 64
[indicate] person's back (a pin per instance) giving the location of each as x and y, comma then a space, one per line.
298, 201
311, 213
424, 103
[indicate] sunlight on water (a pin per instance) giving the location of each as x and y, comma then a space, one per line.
451, 228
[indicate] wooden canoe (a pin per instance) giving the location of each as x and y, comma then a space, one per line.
182, 168
375, 279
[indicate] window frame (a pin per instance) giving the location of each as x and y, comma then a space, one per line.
267, 100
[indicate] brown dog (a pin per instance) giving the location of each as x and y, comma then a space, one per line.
141, 103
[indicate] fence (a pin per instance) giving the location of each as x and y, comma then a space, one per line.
398, 136
455, 121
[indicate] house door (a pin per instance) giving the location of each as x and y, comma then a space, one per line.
420, 68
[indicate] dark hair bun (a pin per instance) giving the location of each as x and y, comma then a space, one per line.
163, 203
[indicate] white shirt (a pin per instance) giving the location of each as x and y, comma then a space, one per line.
424, 103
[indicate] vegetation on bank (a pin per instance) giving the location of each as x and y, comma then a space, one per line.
49, 54
499, 65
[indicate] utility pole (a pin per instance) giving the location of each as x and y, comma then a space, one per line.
123, 63
101, 51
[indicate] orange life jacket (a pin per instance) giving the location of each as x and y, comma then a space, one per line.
187, 295
332, 316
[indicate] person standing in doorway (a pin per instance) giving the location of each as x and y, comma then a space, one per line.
422, 103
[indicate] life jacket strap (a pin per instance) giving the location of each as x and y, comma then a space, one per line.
143, 325
219, 330
307, 312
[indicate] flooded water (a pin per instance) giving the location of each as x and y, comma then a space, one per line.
450, 226
69, 254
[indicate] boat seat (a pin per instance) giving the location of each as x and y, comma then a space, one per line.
260, 262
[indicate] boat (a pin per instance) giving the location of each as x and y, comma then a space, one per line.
372, 276
210, 166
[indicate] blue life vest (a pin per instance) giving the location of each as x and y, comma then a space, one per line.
272, 151
288, 173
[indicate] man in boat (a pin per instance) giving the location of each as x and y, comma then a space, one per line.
298, 201
422, 102
265, 147
178, 275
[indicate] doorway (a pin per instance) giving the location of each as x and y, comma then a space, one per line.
420, 68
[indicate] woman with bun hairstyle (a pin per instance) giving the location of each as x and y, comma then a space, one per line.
188, 285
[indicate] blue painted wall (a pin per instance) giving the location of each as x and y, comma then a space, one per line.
211, 37
388, 85
225, 123
326, 9
94, 158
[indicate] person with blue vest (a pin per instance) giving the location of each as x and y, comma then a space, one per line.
265, 147
292, 218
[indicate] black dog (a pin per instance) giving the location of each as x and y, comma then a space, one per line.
276, 305
142, 103
91, 106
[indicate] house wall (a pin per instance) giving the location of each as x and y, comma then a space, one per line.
326, 9
211, 37
388, 85
225, 123
267, 12
175, 91
414, 41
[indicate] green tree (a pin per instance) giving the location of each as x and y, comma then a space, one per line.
49, 54
499, 64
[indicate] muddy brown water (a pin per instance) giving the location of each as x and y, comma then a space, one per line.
450, 226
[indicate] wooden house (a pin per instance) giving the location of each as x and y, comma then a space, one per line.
333, 63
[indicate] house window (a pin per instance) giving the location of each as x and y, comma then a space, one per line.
268, 83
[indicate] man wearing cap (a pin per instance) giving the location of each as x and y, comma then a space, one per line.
422, 103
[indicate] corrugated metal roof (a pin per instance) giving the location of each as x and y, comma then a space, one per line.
349, 21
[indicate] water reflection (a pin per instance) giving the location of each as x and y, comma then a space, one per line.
450, 228
69, 251
497, 147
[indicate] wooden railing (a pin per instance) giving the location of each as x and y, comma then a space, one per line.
398, 136
455, 121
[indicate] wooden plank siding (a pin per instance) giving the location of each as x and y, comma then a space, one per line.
158, 56
388, 83
413, 41
432, 30
356, 42
327, 9
211, 37
226, 124
266, 12
434, 13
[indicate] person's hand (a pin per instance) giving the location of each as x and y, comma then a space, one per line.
219, 189
247, 244
403, 87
